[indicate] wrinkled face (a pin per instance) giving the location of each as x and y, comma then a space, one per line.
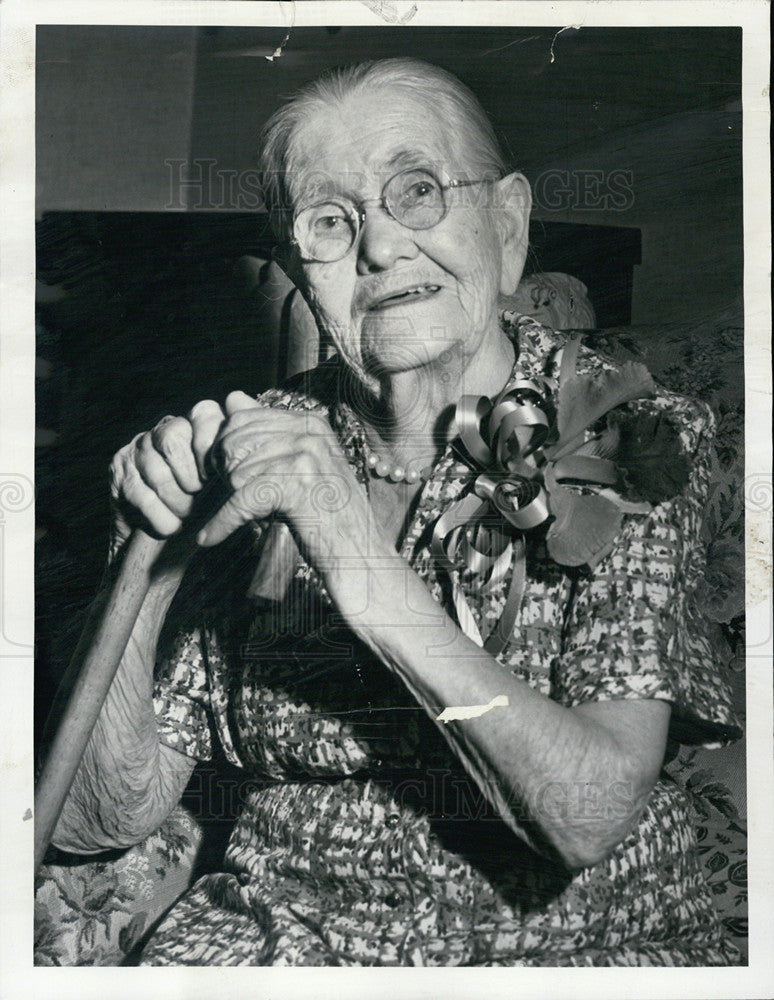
401, 298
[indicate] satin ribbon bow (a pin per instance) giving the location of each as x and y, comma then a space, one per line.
504, 438
524, 460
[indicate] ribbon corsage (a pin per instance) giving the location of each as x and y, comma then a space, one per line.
577, 466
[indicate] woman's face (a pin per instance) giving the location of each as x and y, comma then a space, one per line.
402, 299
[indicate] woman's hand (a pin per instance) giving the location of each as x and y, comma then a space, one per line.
289, 463
160, 472
268, 461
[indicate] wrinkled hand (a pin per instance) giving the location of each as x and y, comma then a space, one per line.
267, 462
288, 463
161, 471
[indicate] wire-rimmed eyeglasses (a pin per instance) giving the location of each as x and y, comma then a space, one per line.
416, 198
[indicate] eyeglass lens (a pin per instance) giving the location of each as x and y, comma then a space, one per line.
328, 230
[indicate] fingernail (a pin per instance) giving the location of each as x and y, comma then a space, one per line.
201, 538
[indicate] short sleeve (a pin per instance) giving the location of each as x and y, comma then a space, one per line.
181, 697
633, 629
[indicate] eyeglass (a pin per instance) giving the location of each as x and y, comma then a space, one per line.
416, 198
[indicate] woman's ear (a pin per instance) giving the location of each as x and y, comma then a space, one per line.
513, 205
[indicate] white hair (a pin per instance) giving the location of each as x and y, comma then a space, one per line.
449, 98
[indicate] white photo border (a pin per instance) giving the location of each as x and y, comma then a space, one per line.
18, 978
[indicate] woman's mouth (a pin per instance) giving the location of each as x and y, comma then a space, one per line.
415, 293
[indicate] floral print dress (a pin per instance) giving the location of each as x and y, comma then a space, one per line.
362, 841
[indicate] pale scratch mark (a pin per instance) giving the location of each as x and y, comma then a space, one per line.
516, 41
278, 51
388, 11
462, 712
567, 27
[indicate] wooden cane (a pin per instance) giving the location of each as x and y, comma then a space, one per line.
90, 690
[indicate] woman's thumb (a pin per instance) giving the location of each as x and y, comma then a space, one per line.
238, 400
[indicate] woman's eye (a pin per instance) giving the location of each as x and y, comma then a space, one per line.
420, 190
330, 223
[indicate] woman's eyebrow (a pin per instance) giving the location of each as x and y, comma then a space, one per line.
315, 188
410, 158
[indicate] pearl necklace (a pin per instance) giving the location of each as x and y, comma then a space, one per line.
407, 473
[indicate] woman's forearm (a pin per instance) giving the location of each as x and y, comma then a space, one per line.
578, 776
127, 782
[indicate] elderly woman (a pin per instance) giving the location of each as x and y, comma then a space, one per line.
454, 765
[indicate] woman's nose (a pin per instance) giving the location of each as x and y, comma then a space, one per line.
383, 242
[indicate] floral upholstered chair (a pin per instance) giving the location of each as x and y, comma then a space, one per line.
94, 911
